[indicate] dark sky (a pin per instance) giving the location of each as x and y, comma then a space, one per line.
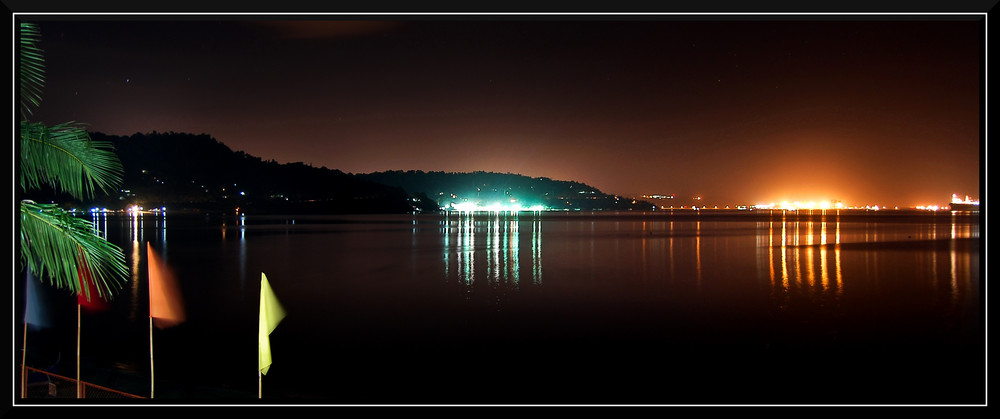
742, 110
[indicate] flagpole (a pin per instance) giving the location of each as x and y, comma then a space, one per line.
78, 350
24, 352
151, 381
24, 341
149, 281
260, 313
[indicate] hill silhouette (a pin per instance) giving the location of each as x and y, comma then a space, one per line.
196, 172
486, 189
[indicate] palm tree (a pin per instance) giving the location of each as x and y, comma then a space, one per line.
54, 243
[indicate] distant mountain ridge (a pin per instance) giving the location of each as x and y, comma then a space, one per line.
498, 190
197, 172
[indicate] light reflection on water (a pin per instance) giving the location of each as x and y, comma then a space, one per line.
500, 248
364, 276
793, 254
797, 250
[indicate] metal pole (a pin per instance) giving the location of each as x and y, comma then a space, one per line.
24, 351
78, 350
151, 380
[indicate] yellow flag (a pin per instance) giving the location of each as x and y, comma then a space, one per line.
271, 314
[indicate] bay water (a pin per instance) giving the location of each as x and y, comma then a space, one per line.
666, 308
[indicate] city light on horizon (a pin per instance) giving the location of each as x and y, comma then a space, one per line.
670, 201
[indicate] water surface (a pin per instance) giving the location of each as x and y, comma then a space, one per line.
555, 308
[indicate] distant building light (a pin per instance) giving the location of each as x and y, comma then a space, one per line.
470, 207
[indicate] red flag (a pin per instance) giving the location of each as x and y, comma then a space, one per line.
88, 297
165, 305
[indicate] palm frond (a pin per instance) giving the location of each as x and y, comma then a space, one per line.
31, 69
65, 158
55, 244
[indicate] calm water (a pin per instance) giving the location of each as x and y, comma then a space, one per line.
574, 308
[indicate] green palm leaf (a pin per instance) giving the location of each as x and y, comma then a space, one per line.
54, 242
65, 158
32, 69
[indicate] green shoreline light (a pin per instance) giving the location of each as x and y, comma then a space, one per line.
473, 207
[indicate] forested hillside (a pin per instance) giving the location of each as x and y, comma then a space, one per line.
196, 172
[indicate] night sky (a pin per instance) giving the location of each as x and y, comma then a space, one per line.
867, 110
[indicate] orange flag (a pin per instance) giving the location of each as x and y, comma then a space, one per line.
165, 304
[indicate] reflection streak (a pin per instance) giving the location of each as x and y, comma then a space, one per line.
672, 273
536, 251
243, 258
784, 254
513, 264
798, 247
466, 250
502, 263
135, 222
770, 249
810, 273
836, 255
697, 250
824, 276
134, 307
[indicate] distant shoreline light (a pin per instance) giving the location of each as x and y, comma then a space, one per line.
956, 200
473, 207
806, 205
